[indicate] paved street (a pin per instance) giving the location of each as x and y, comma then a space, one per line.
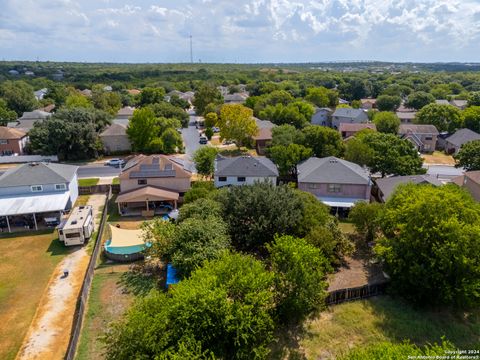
100, 170
191, 137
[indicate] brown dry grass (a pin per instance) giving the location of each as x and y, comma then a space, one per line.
26, 265
438, 157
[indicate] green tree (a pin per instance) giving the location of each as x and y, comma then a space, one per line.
197, 240
357, 151
256, 213
297, 113
18, 95
76, 100
164, 109
171, 140
150, 95
206, 94
430, 247
469, 156
392, 155
419, 99
365, 218
236, 123
6, 114
323, 141
70, 133
204, 159
199, 190
471, 118
318, 96
285, 135
176, 101
444, 117
200, 209
474, 99
441, 91
288, 157
300, 277
214, 314
142, 128
386, 122
107, 101
211, 119
388, 102
356, 104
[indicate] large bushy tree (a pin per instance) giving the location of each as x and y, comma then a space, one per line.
386, 122
206, 94
323, 141
469, 156
18, 95
288, 157
236, 123
215, 314
471, 118
204, 159
419, 99
430, 247
388, 102
444, 117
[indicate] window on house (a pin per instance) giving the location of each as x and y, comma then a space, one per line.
60, 187
37, 188
428, 138
3, 142
72, 235
334, 188
312, 186
241, 179
142, 181
222, 178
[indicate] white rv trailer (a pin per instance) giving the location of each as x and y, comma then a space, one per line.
78, 228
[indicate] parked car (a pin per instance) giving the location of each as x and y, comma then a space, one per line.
115, 162
203, 140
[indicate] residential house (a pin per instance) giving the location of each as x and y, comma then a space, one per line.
321, 116
347, 129
384, 187
422, 136
151, 185
460, 104
442, 102
28, 119
368, 104
34, 195
348, 115
406, 117
454, 142
263, 138
470, 181
86, 92
237, 98
244, 170
40, 94
115, 139
125, 112
12, 141
335, 182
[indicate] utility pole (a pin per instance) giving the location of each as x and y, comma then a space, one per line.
191, 49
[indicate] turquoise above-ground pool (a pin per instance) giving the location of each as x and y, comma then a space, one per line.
124, 245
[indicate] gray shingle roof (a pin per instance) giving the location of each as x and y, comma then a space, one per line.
348, 112
330, 170
462, 136
417, 129
388, 185
247, 166
115, 130
38, 174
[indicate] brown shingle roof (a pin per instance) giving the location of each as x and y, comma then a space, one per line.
417, 129
474, 176
7, 133
349, 127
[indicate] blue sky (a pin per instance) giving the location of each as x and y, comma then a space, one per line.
240, 31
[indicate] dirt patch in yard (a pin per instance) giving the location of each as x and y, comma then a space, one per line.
438, 158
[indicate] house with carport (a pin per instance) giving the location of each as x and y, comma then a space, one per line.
35, 195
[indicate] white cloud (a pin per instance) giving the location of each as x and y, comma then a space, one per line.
251, 30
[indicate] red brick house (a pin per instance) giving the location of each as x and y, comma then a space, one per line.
12, 141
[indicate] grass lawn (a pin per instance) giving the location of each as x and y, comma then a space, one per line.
115, 181
346, 227
82, 200
366, 322
107, 302
27, 262
88, 182
438, 157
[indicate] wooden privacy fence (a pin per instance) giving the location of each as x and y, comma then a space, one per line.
94, 189
356, 293
87, 282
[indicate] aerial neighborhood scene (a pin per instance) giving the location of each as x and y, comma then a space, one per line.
239, 180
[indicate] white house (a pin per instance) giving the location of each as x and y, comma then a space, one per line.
35, 195
321, 116
244, 170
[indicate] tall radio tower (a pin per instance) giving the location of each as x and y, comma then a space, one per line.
191, 49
